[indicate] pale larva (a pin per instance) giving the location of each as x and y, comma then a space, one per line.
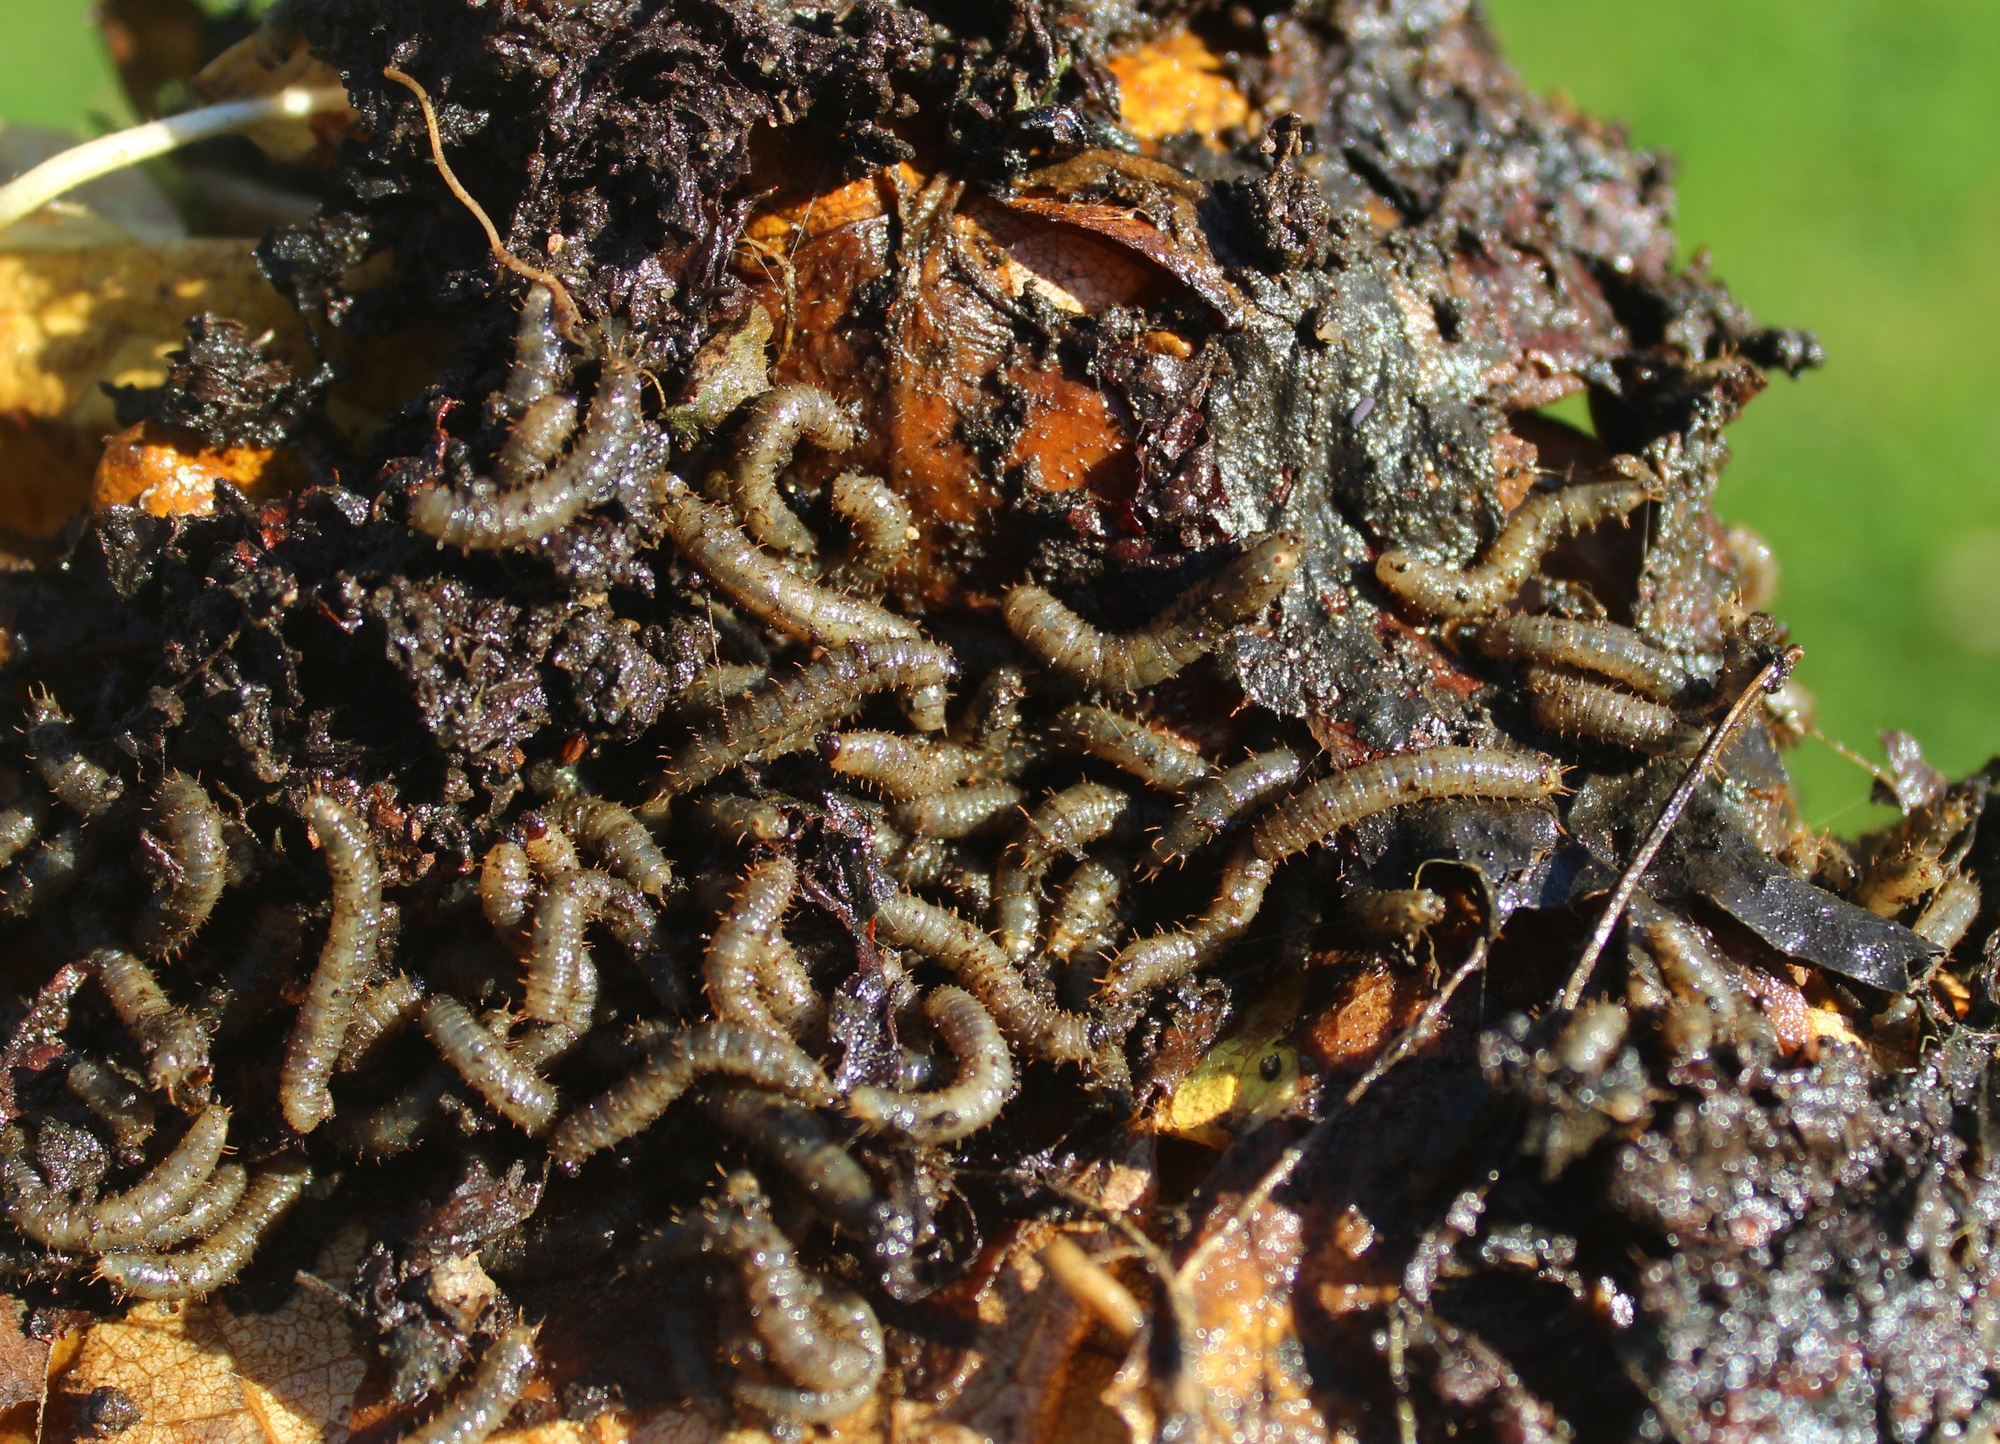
1213, 805
218, 1258
383, 1011
81, 783
195, 865
750, 973
878, 530
1156, 758
344, 964
173, 1042
973, 1099
1571, 705
1149, 964
211, 1207
1605, 648
1067, 822
482, 1406
899, 767
959, 812
123, 1219
617, 839
126, 1111
482, 1059
776, 421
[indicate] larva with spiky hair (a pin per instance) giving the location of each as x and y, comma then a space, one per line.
216, 1201
899, 767
119, 1104
786, 715
482, 1059
1156, 758
173, 1042
382, 1011
83, 785
217, 1259
1143, 967
1192, 627
123, 1219
992, 721
1086, 915
740, 819
19, 827
878, 530
1311, 816
750, 973
617, 839
1065, 823
482, 1406
716, 687
551, 853
251, 987
1534, 527
506, 887
196, 864
945, 938
1571, 705
983, 1084
540, 359
932, 862
535, 440
764, 447
1604, 648
1400, 914
671, 1065
1213, 805
47, 871
805, 1148
344, 965
960, 812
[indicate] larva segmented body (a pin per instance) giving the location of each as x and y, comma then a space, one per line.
197, 864
19, 827
878, 530
765, 1059
960, 812
221, 1256
1215, 804
344, 963
742, 819
84, 786
119, 1104
1145, 966
382, 1011
482, 1406
1534, 526
805, 1147
1068, 822
1192, 627
214, 1204
715, 687
905, 921
539, 358
395, 1127
1605, 648
1950, 913
786, 715
1571, 705
1401, 914
123, 1219
898, 767
1086, 918
481, 1058
992, 719
535, 440
617, 839
1156, 758
750, 973
46, 873
771, 432
932, 862
1310, 817
558, 958
973, 1099
550, 852
174, 1044
506, 887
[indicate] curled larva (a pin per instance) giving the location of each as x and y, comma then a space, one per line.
218, 1258
958, 812
898, 767
398, 1125
344, 964
934, 863
740, 819
1213, 805
1149, 964
46, 872
550, 852
216, 1201
806, 1148
195, 862
787, 714
1605, 648
1192, 627
558, 957
1534, 526
173, 1042
1158, 759
251, 987
19, 826
617, 839
506, 887
1067, 822
83, 785
1571, 705
973, 1099
123, 1219
674, 1062
1309, 817
535, 440
878, 529
117, 1102
1086, 915
905, 921
1950, 914
1400, 914
382, 1011
771, 431
482, 1059
482, 1406
750, 973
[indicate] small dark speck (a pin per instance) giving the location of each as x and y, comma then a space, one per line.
1270, 1068
1361, 410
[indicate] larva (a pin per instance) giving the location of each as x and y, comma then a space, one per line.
126, 1111
250, 988
1156, 758
992, 719
1605, 648
750, 973
715, 687
878, 530
763, 585
506, 887
771, 431
175, 1047
898, 767
1950, 914
1190, 628
217, 1200
1401, 914
49, 869
1067, 822
617, 839
123, 1219
218, 1258
482, 1406
344, 964
1087, 1281
1534, 526
535, 440
83, 785
558, 956
196, 865
785, 716
382, 1011
1308, 818
19, 826
805, 1147
1086, 917
1907, 863
959, 812
973, 1099
742, 819
539, 356
1149, 964
905, 921
550, 852
481, 1058
397, 1126
1215, 804
627, 1108
1571, 705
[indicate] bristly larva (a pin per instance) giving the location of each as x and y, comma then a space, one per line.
1399, 914
126, 1111
806, 1148
1310, 817
382, 1011
344, 963
221, 1256
973, 1099
673, 1063
740, 819
787, 714
482, 1406
1193, 626
616, 839
83, 785
1534, 526
1144, 966
558, 958
550, 852
506, 887
899, 767
217, 1200
1215, 804
174, 1043
1066, 822
1158, 759
771, 431
1605, 648
482, 1059
1571, 705
958, 812
123, 1219
878, 530
540, 361
1086, 916
750, 973
195, 861
46, 872
20, 825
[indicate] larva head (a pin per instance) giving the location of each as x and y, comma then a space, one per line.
1254, 580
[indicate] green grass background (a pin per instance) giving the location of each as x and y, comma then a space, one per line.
1841, 158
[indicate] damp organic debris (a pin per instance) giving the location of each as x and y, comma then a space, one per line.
903, 721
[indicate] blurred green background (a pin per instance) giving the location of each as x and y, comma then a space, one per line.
1841, 158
